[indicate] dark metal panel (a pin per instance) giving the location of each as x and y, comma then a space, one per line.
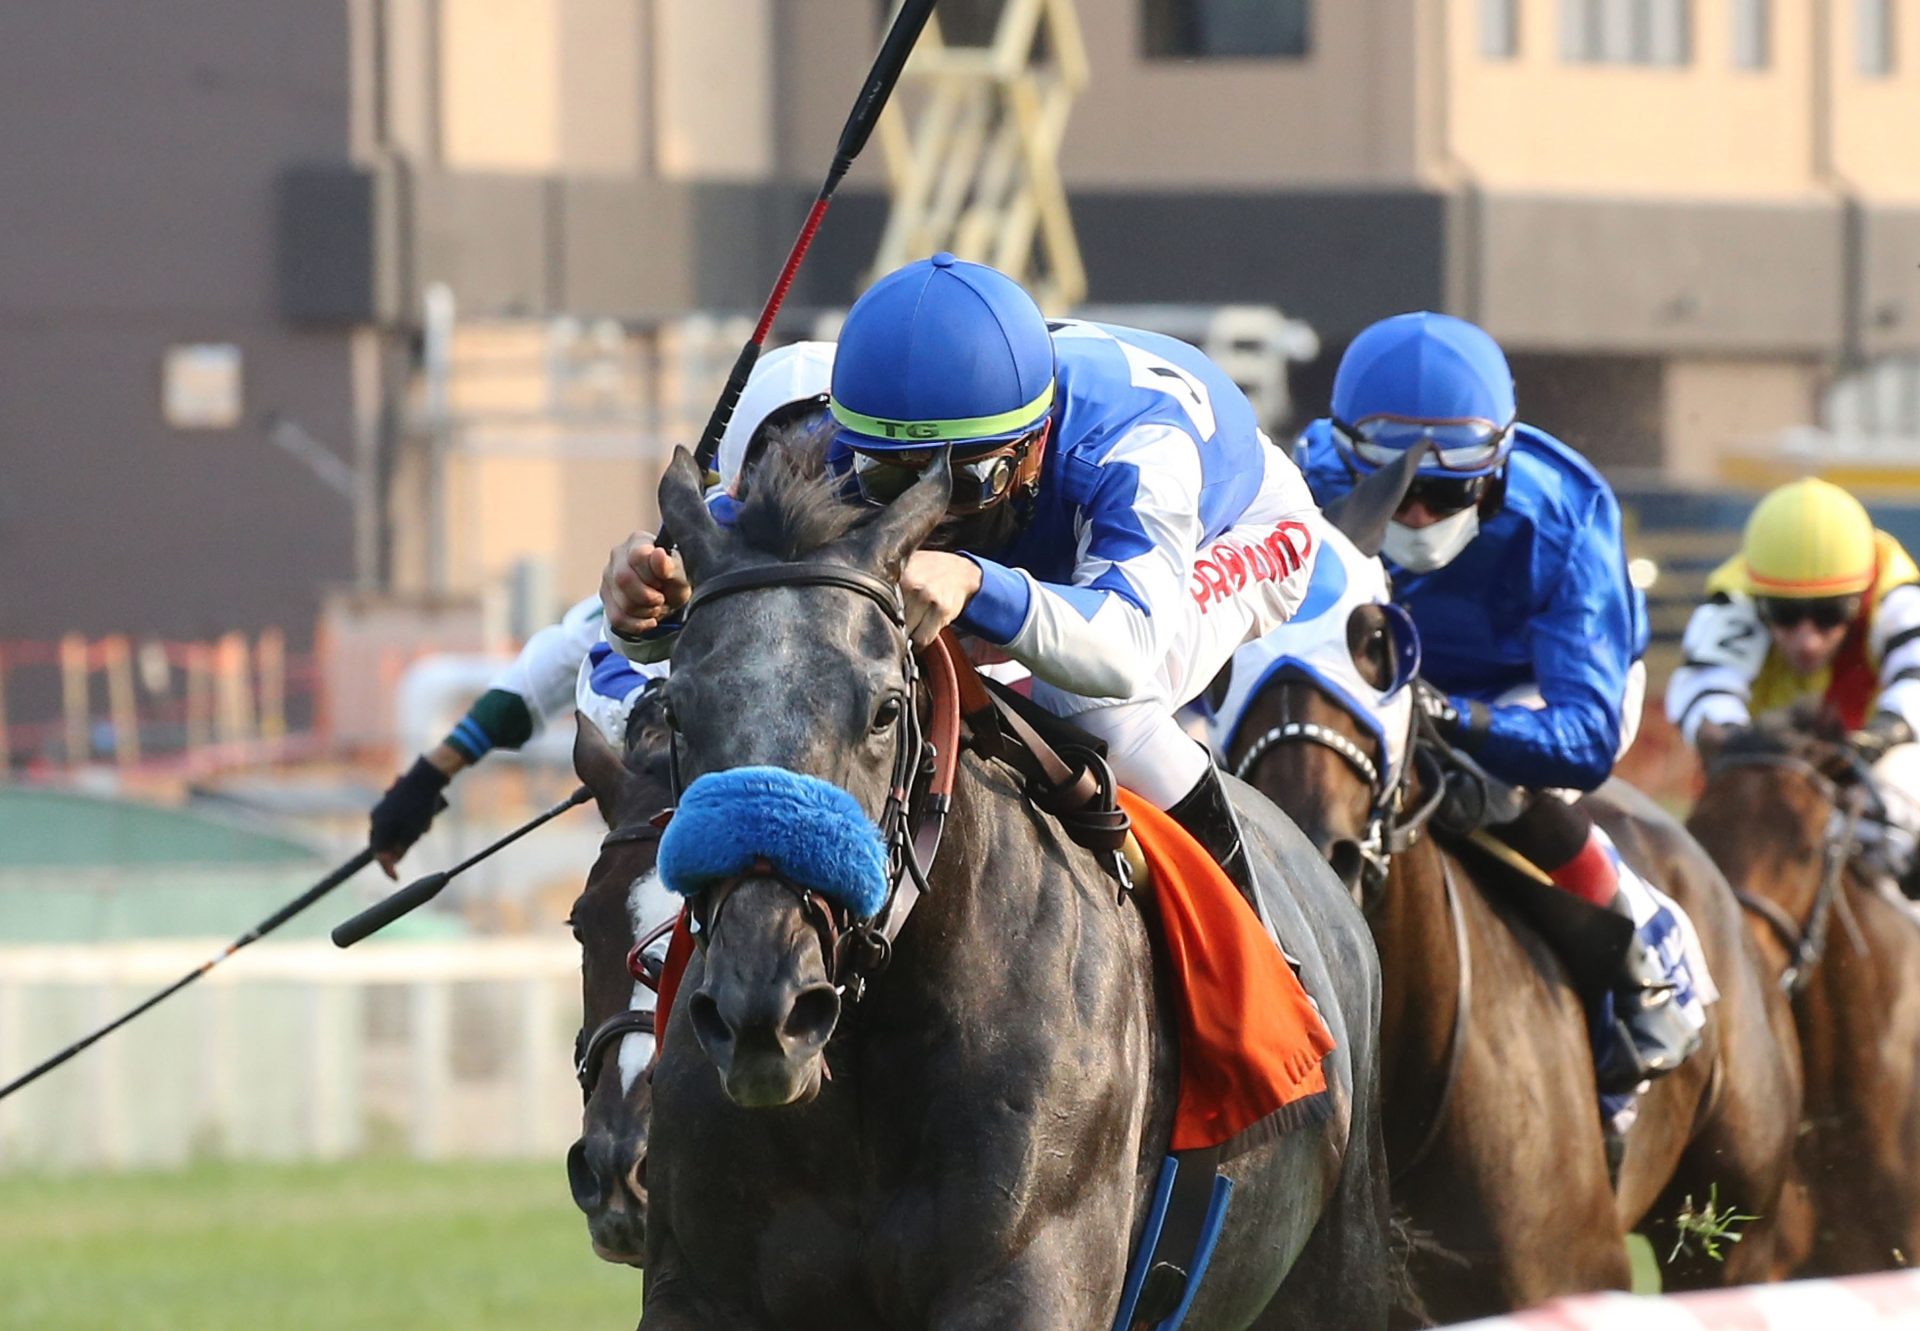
1610, 275
1889, 269
1338, 259
324, 245
487, 237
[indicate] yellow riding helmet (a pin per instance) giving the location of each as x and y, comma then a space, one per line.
1808, 539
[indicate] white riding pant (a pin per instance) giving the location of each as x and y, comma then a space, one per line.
1243, 585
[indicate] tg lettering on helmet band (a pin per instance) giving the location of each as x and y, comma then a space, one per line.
951, 431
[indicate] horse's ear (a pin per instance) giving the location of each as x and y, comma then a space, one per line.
683, 513
600, 767
1362, 514
885, 541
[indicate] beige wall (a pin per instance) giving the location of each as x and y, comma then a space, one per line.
547, 86
1876, 121
714, 62
1540, 123
1719, 408
499, 85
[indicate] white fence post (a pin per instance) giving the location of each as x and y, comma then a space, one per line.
429, 1018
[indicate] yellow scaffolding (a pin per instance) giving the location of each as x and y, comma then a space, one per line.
972, 151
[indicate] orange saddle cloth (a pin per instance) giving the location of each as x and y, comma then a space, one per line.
1251, 1041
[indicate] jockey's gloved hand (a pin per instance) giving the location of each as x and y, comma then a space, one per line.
1452, 724
1464, 808
1880, 733
407, 810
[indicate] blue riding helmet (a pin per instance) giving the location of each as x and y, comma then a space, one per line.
941, 352
1430, 377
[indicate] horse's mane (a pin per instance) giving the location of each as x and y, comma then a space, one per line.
794, 505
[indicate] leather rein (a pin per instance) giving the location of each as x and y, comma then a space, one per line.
1805, 943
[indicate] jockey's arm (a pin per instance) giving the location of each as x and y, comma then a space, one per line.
535, 688
1137, 536
1896, 642
1581, 644
1721, 654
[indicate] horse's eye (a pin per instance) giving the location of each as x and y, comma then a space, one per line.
886, 714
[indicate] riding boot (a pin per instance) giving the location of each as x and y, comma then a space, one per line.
1207, 813
1651, 1036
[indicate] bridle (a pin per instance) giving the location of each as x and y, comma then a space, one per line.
1387, 831
1806, 943
854, 950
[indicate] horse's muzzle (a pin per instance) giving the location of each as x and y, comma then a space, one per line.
607, 1178
766, 1043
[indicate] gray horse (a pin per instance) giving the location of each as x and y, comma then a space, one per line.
974, 1143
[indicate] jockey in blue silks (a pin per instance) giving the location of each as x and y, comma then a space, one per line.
1119, 523
1507, 551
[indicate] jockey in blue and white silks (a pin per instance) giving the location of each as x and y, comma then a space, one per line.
567, 666
1507, 551
1119, 523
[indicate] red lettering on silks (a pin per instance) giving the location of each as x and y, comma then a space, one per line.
1216, 582
1230, 566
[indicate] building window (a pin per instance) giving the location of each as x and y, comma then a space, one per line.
1873, 25
1627, 32
1188, 28
1500, 29
1752, 20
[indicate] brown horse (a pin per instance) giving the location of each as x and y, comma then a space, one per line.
1494, 1142
1850, 956
615, 919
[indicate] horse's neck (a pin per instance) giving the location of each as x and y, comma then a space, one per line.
1415, 931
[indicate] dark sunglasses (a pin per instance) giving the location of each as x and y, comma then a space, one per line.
1444, 496
1823, 612
981, 478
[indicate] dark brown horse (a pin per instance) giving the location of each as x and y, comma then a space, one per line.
974, 1144
614, 918
1776, 814
1494, 1141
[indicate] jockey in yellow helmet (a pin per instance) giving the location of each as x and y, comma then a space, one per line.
1817, 604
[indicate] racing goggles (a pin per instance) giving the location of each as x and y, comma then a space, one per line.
1443, 496
1825, 613
1457, 445
981, 477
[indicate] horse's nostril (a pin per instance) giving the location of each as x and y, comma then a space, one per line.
816, 1010
582, 1181
711, 1028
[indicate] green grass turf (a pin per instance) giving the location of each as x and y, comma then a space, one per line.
283, 1248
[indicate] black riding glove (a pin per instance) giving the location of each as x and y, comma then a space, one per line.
406, 811
1464, 808
1457, 728
1880, 733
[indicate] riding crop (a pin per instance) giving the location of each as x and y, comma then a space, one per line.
874, 93
259, 931
422, 890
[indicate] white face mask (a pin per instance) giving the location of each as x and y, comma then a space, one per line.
1424, 549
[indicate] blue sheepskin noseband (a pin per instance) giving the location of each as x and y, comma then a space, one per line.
814, 834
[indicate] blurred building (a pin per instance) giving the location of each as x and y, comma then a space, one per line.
1695, 222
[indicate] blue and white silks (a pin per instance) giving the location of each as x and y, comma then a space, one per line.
814, 834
